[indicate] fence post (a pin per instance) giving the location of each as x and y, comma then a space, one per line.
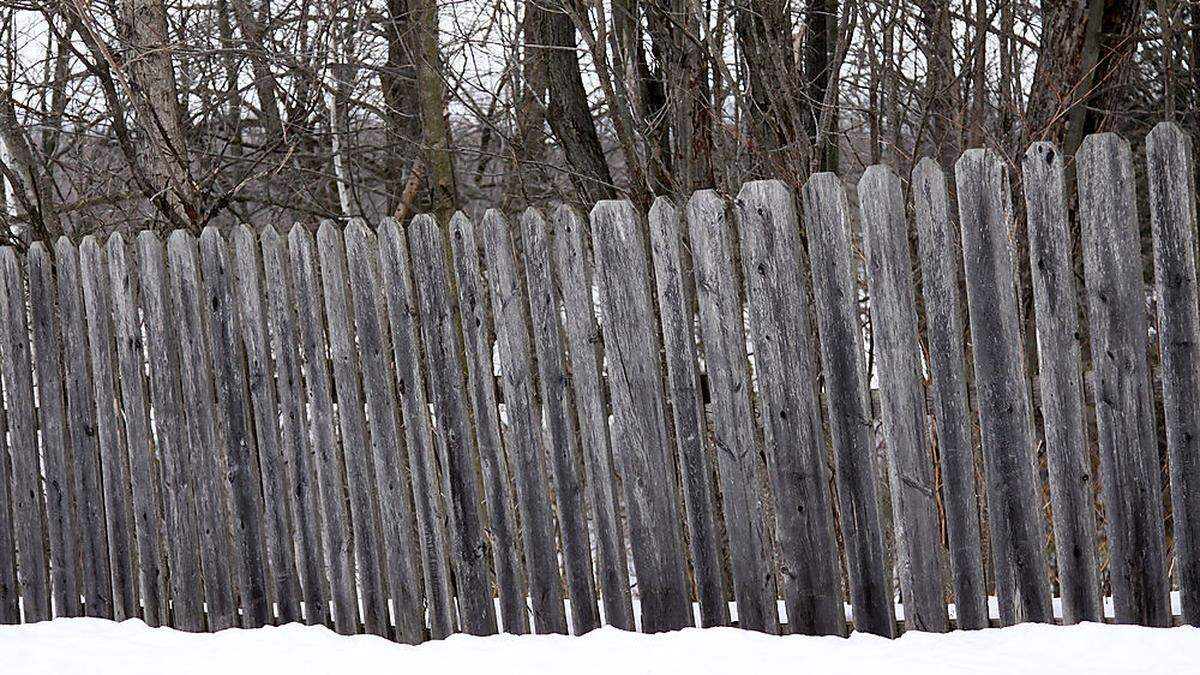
303, 498
497, 479
114, 461
902, 398
639, 434
1014, 502
940, 265
725, 353
1173, 219
356, 451
28, 503
57, 460
400, 299
687, 410
444, 349
144, 470
560, 426
777, 297
162, 352
1124, 417
827, 225
84, 446
575, 282
1061, 384
332, 487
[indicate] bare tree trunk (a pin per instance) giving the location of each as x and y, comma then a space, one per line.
527, 176
942, 90
435, 131
156, 104
820, 39
32, 190
398, 82
265, 84
568, 112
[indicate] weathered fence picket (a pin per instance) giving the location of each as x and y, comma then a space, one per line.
1061, 383
240, 428
1014, 505
1171, 178
826, 222
1124, 416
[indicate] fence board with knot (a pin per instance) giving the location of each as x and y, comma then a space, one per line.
486, 426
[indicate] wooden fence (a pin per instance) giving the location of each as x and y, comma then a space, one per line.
416, 431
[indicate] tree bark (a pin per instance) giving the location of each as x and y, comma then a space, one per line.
435, 130
32, 188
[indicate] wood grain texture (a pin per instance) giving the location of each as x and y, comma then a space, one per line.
827, 226
245, 484
639, 434
1014, 502
574, 279
283, 585
497, 478
114, 461
352, 423
777, 296
28, 500
902, 399
1171, 178
1059, 372
303, 495
687, 409
941, 257
84, 450
337, 535
166, 400
724, 337
393, 484
206, 461
57, 462
400, 299
523, 421
1129, 461
10, 589
456, 444
135, 413
560, 432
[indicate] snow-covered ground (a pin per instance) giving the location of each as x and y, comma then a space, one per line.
100, 646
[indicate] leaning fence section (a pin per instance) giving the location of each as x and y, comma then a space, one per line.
555, 422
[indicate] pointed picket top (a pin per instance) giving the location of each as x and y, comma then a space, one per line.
567, 217
663, 207
148, 238
928, 172
762, 193
706, 200
211, 236
270, 234
1168, 144
38, 250
242, 236
358, 227
115, 246
1039, 154
879, 177
62, 245
1105, 144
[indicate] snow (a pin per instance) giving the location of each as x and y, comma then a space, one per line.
100, 646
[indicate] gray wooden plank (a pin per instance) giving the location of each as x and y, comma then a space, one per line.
283, 584
456, 445
1171, 178
401, 304
902, 399
827, 226
523, 424
1014, 502
304, 499
240, 450
561, 433
28, 502
497, 479
360, 479
1129, 461
573, 277
339, 554
81, 436
143, 465
114, 461
206, 464
639, 433
391, 469
777, 291
675, 303
178, 481
1061, 383
56, 458
10, 590
725, 355
940, 256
